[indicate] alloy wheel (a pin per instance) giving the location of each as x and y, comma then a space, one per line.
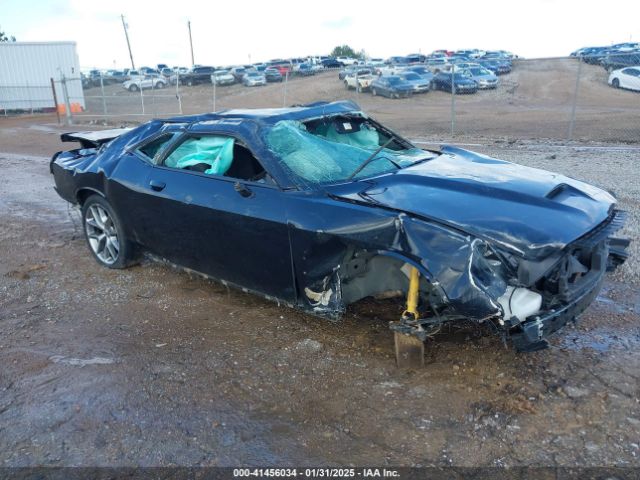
102, 234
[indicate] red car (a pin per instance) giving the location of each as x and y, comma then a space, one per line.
283, 67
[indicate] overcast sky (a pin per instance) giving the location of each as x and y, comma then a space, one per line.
229, 32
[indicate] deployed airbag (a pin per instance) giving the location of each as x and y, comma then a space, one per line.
217, 152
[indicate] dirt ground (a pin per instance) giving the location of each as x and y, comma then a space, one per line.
150, 366
534, 101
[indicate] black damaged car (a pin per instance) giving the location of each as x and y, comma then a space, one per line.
319, 206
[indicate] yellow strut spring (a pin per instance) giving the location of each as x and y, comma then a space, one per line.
413, 294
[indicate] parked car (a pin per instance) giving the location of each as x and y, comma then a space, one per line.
628, 78
347, 60
144, 82
360, 81
222, 77
253, 79
197, 75
620, 60
375, 62
351, 70
415, 58
272, 74
130, 73
332, 63
113, 76
149, 71
497, 66
305, 70
424, 72
320, 206
437, 64
391, 86
485, 79
462, 81
238, 73
419, 83
283, 67
167, 73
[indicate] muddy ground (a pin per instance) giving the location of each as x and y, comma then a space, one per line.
150, 366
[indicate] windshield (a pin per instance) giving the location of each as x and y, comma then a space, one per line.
479, 71
395, 80
330, 150
411, 76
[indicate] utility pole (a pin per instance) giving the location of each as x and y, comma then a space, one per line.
191, 43
126, 34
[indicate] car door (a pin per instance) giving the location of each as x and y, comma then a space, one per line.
632, 77
384, 87
234, 229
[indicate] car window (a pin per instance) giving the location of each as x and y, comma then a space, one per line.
154, 148
216, 155
321, 151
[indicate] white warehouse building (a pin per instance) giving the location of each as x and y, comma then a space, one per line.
26, 70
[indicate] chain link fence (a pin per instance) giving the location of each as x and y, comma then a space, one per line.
559, 99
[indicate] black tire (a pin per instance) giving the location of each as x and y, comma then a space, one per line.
346, 85
616, 83
189, 83
160, 85
374, 92
133, 87
114, 255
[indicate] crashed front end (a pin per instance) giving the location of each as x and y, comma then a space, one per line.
526, 300
495, 243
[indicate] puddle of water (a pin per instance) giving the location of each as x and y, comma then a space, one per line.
600, 340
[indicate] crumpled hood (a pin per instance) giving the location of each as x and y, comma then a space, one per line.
528, 210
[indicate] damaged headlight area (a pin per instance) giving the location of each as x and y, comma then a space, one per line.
496, 272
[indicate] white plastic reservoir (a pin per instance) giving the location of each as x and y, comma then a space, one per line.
520, 303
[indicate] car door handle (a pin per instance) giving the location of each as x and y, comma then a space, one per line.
243, 190
156, 185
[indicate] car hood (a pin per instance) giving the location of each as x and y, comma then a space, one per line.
526, 210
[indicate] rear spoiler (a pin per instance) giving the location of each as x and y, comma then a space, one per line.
93, 139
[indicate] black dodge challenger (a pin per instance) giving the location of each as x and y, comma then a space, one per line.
319, 206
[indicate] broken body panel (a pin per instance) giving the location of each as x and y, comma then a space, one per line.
493, 241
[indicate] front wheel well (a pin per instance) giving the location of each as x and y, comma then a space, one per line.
366, 274
84, 193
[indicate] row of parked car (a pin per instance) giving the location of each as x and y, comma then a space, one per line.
256, 74
459, 72
621, 60
612, 57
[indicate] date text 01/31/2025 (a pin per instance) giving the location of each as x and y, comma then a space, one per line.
316, 472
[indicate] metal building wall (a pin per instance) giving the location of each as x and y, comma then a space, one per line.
26, 69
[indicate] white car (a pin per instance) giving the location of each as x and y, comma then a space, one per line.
628, 78
254, 79
146, 81
222, 77
364, 79
347, 60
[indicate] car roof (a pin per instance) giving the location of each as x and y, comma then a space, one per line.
273, 115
